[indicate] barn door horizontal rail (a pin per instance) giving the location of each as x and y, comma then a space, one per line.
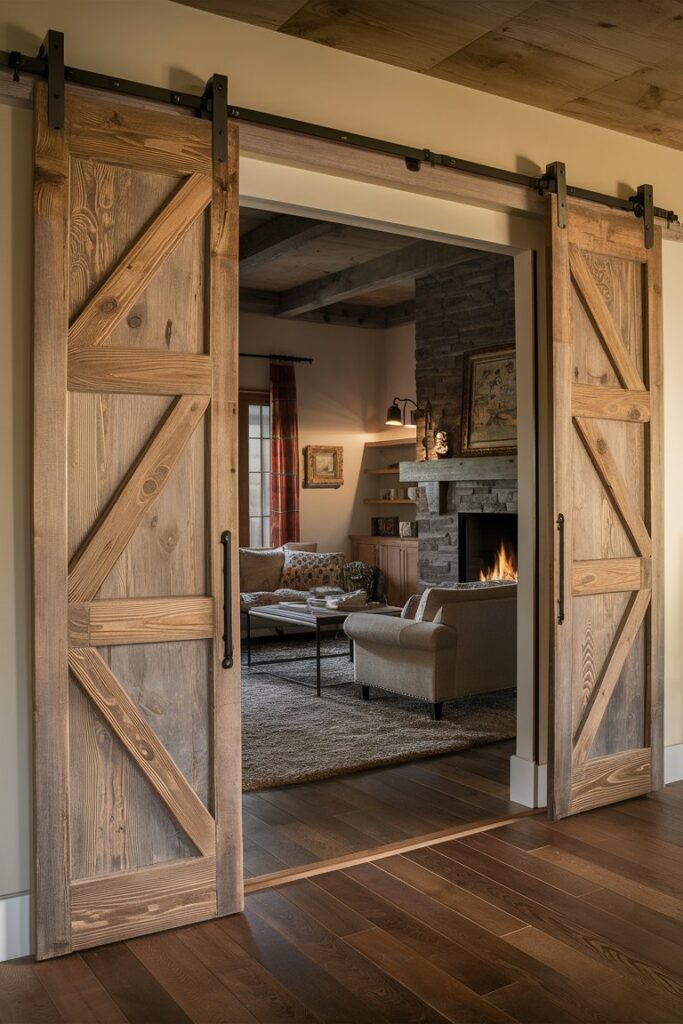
553, 180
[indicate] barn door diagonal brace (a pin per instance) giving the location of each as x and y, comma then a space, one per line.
214, 103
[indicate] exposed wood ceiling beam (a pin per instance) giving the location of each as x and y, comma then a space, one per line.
413, 261
255, 300
277, 237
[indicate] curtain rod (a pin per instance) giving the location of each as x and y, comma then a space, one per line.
274, 358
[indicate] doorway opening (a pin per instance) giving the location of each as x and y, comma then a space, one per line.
387, 320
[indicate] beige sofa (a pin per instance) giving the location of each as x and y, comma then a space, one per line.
448, 643
261, 572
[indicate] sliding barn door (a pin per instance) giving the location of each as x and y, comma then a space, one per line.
605, 292
137, 730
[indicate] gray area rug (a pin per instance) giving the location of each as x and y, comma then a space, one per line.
291, 736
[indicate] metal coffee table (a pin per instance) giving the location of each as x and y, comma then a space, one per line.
309, 618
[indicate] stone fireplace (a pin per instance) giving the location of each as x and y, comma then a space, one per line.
458, 310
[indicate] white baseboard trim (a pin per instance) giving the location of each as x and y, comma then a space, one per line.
673, 763
528, 782
15, 926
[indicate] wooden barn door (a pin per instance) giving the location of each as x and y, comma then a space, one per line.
605, 291
137, 729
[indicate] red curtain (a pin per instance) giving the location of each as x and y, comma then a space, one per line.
284, 455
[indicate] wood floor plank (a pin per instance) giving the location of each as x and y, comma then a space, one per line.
77, 993
23, 997
429, 983
655, 961
141, 998
384, 1000
314, 987
265, 997
188, 981
606, 878
540, 869
464, 903
529, 1004
434, 937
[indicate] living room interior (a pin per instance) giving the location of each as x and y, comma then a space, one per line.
400, 363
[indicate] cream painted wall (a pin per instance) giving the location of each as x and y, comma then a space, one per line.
171, 45
339, 398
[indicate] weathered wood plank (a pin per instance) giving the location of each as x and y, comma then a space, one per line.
134, 371
118, 906
150, 755
409, 262
609, 575
93, 562
149, 620
618, 490
137, 136
224, 513
609, 677
115, 297
604, 780
50, 673
280, 235
603, 321
606, 403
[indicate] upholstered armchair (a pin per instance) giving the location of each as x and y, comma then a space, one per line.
448, 643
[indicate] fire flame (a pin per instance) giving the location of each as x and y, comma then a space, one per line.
504, 566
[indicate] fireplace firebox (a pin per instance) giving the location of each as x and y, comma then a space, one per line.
487, 545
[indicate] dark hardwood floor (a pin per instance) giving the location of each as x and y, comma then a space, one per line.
297, 825
578, 921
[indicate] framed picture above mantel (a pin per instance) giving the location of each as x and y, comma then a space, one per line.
489, 405
323, 465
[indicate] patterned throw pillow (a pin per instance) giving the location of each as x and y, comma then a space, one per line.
360, 576
306, 569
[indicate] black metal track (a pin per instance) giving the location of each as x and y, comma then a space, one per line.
413, 157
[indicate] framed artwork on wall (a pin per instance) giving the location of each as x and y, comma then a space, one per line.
323, 465
489, 405
385, 526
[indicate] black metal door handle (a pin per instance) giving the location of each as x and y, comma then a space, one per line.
226, 539
560, 596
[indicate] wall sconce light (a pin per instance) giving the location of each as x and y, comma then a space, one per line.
398, 417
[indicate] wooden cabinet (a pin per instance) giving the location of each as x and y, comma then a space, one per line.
396, 558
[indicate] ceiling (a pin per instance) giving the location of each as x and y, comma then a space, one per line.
304, 269
615, 63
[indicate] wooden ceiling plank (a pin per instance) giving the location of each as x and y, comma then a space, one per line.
410, 262
265, 13
278, 237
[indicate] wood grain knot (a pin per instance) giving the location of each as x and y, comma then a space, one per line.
601, 445
146, 751
134, 321
634, 414
108, 306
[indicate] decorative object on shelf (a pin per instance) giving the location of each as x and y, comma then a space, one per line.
407, 529
386, 495
399, 417
411, 493
441, 444
489, 418
428, 436
324, 465
384, 526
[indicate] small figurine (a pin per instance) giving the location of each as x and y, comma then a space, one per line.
441, 444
